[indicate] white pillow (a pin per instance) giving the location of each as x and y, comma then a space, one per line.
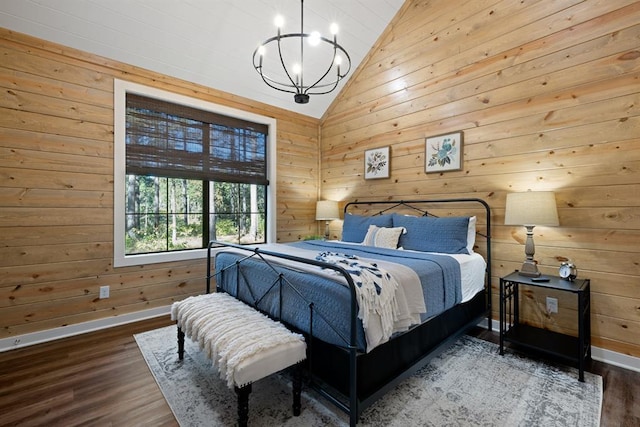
383, 237
471, 234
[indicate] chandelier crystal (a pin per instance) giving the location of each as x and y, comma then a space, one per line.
280, 61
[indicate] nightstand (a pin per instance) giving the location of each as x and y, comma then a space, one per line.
574, 349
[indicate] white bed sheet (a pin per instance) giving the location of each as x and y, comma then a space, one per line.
472, 271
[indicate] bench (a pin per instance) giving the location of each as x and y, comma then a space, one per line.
243, 344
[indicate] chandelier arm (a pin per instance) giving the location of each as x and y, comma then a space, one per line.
325, 75
268, 80
293, 84
259, 68
271, 82
331, 87
339, 77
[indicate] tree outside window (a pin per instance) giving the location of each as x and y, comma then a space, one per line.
191, 176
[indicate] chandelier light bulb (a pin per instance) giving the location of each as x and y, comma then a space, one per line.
338, 60
333, 28
279, 21
262, 50
296, 69
314, 38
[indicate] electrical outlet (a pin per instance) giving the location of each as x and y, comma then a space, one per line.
552, 305
104, 292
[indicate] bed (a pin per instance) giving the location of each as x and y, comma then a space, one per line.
433, 254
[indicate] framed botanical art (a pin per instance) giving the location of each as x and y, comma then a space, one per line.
377, 163
444, 152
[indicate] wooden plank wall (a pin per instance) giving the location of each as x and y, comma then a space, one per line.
547, 94
56, 188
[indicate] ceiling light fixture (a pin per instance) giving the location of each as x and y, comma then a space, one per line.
290, 50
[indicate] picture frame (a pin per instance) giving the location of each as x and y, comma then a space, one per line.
443, 152
377, 163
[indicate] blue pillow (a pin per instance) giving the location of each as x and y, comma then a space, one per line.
446, 235
355, 227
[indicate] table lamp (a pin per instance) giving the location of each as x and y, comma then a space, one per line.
327, 210
531, 208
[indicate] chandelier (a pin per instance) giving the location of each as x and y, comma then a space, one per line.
280, 61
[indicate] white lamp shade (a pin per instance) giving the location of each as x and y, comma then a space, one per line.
531, 208
327, 210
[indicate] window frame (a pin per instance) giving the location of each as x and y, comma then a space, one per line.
121, 88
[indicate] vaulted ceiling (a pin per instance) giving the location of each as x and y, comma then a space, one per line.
210, 42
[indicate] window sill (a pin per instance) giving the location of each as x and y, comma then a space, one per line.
142, 259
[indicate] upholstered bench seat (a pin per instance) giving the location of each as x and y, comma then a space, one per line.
243, 344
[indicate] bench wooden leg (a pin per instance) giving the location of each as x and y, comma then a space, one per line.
180, 344
243, 404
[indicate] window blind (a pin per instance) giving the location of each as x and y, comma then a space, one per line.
177, 141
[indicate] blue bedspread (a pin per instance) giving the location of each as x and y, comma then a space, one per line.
439, 276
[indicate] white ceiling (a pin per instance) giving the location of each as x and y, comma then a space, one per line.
210, 42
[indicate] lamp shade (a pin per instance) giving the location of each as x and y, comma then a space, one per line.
327, 210
531, 208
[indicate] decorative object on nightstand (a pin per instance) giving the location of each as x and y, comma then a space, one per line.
531, 208
327, 210
568, 271
568, 347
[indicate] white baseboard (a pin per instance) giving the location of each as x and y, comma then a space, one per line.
616, 359
597, 353
80, 328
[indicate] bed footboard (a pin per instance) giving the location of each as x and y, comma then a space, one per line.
280, 285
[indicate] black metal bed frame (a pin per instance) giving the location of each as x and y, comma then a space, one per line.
348, 399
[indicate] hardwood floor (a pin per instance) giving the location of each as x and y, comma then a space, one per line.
95, 379
101, 379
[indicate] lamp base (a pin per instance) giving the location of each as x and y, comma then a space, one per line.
529, 269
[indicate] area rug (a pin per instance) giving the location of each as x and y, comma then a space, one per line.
469, 384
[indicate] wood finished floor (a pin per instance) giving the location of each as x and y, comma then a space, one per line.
101, 379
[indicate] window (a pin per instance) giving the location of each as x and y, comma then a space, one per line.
187, 171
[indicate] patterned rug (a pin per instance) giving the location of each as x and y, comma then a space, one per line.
469, 384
